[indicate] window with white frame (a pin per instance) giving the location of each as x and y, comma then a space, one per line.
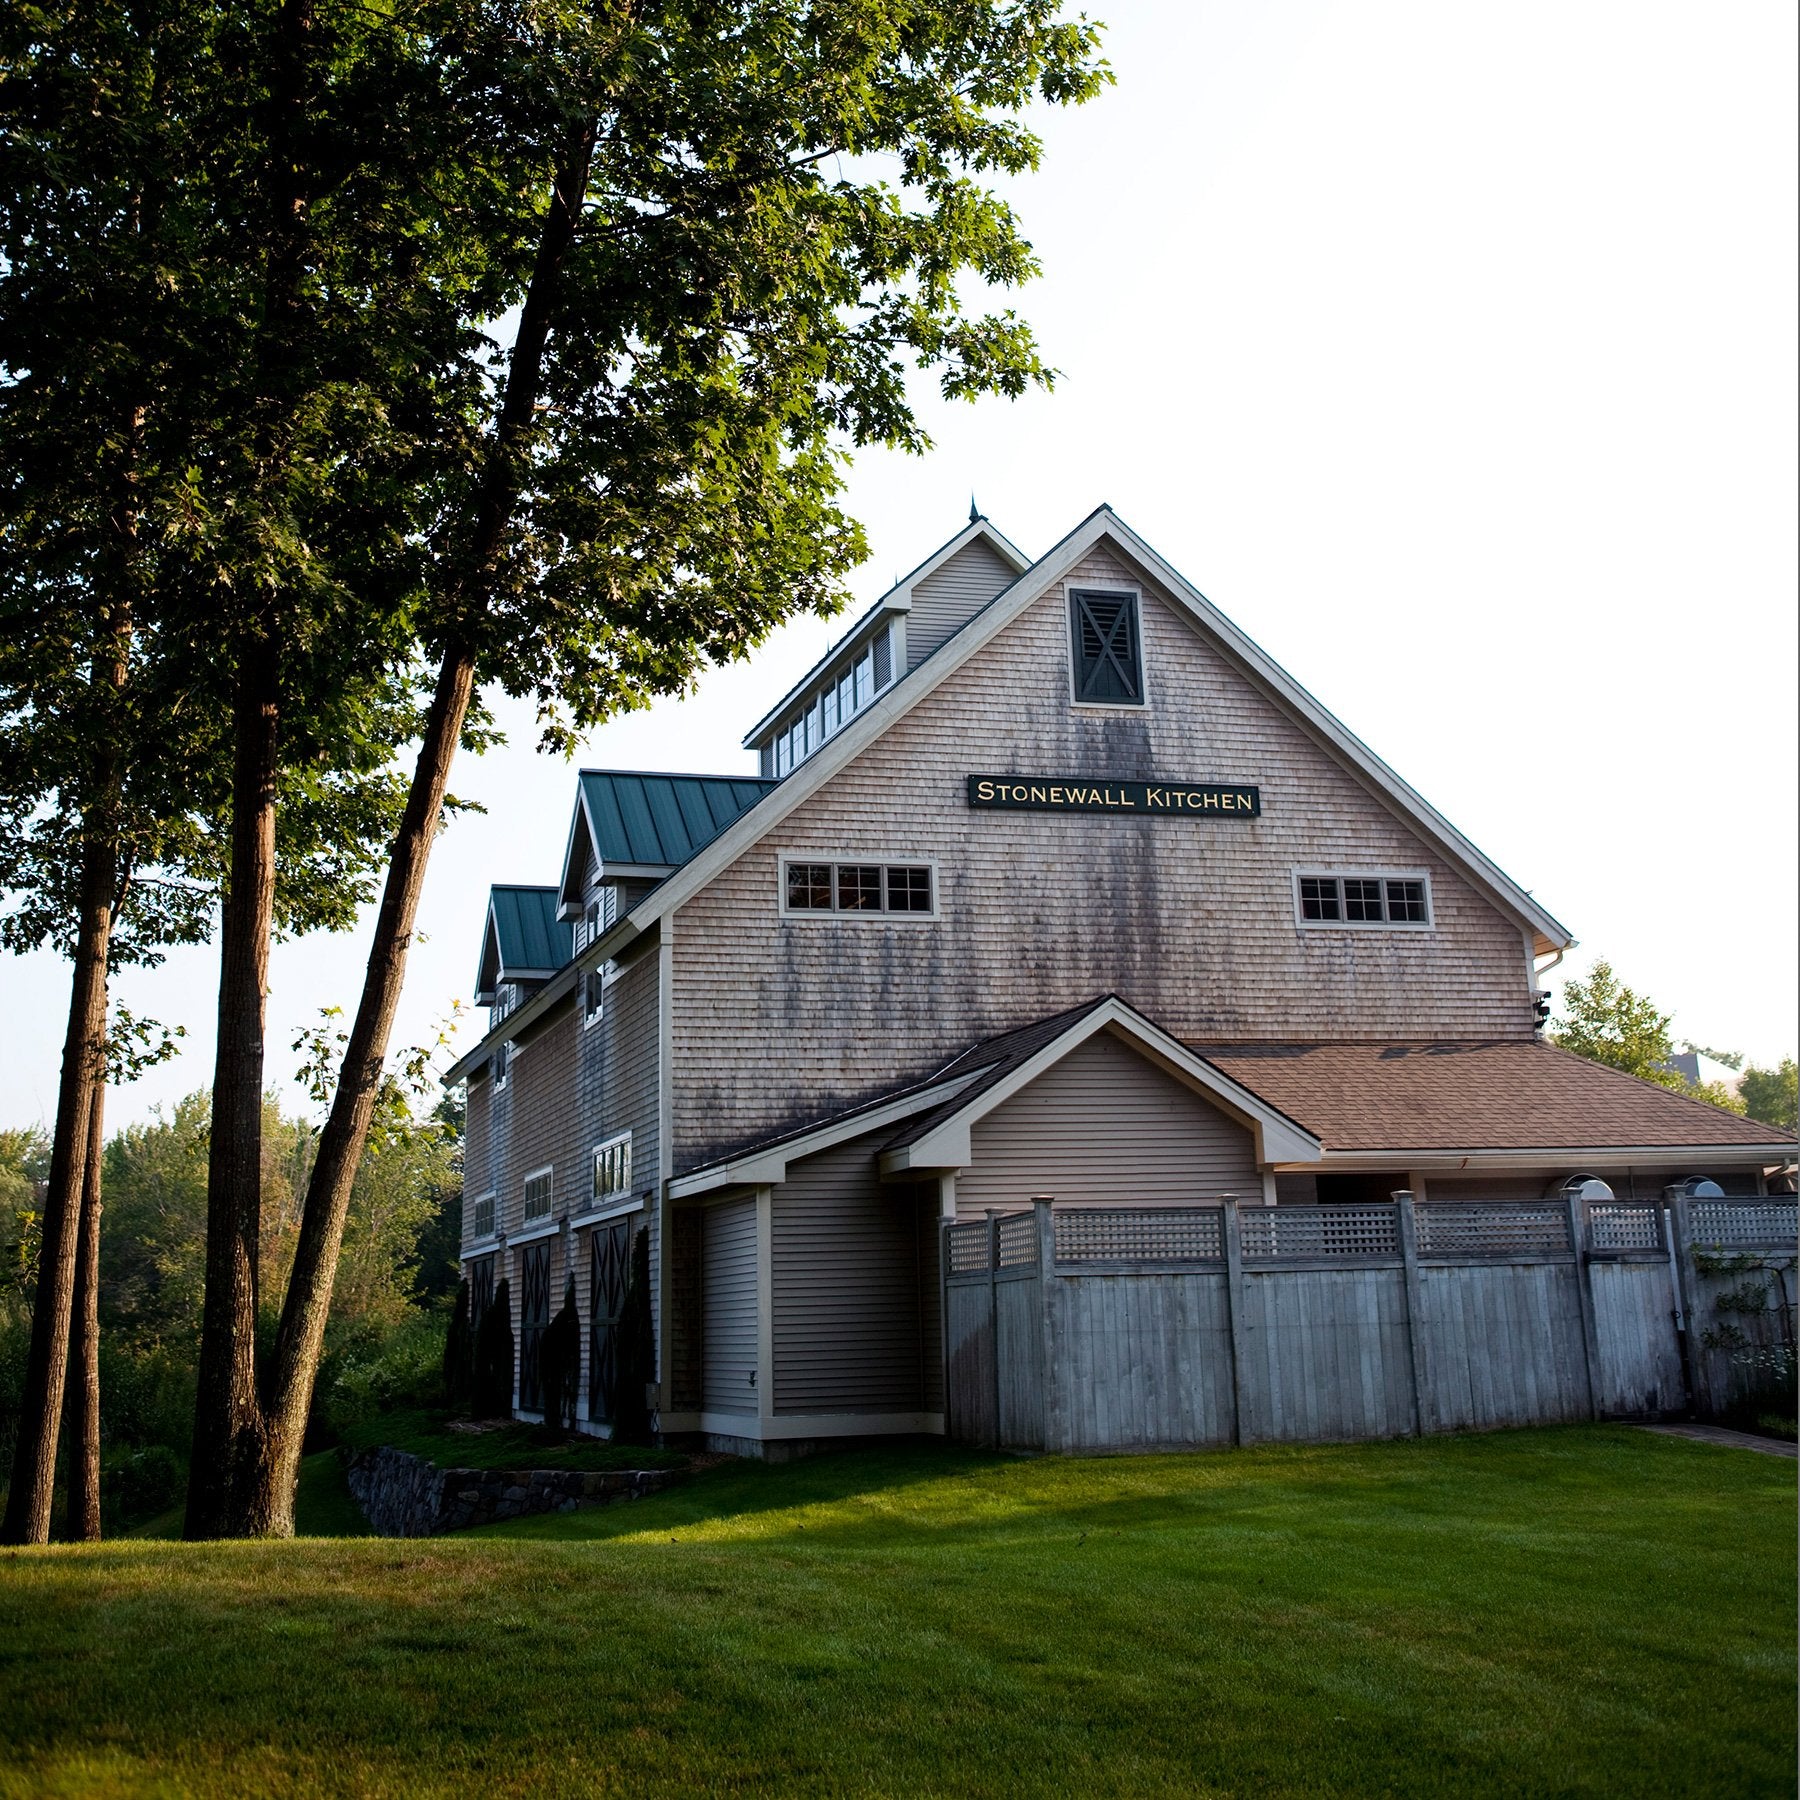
593, 996
612, 1168
502, 1065
539, 1188
481, 1217
1363, 898
1107, 652
881, 888
830, 707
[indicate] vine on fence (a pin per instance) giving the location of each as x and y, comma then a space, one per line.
1760, 1288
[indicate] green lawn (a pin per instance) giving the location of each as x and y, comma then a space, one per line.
1582, 1611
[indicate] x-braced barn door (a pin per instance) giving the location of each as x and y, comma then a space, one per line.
534, 1315
609, 1267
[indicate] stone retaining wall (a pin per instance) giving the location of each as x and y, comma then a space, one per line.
403, 1495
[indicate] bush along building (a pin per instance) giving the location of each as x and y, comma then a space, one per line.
1050, 883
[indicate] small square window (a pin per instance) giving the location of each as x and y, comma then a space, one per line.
1362, 899
809, 887
1318, 897
858, 887
909, 889
1406, 902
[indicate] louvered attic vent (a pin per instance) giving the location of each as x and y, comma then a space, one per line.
1108, 666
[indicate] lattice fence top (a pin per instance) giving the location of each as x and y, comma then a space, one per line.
1743, 1224
1321, 1231
968, 1252
1156, 1234
1017, 1246
1447, 1228
1626, 1227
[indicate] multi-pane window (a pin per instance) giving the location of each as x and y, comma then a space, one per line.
830, 708
612, 1167
481, 1217
822, 887
1364, 900
539, 1185
1109, 668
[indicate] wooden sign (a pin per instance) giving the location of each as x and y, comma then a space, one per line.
1075, 793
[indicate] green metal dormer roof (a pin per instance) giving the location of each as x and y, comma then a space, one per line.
523, 939
643, 824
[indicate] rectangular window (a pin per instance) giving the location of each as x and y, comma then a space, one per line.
612, 1168
784, 754
859, 887
481, 1217
883, 652
866, 888
809, 887
1365, 900
908, 888
829, 720
1406, 902
502, 1065
593, 997
539, 1185
1108, 664
865, 682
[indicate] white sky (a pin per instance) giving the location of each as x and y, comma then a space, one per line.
1450, 349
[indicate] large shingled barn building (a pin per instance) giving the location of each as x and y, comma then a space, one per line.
1050, 883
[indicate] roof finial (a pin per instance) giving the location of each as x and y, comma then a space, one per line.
974, 510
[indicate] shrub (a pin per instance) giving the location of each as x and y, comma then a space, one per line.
561, 1365
138, 1484
402, 1368
493, 1387
459, 1349
637, 1351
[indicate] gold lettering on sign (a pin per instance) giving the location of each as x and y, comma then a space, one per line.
985, 790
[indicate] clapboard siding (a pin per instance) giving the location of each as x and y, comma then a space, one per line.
1191, 921
1106, 1127
849, 1326
728, 1281
951, 596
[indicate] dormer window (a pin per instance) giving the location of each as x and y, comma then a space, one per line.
1107, 654
830, 707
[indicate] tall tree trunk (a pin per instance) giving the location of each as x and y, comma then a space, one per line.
27, 1518
84, 1344
228, 1419
269, 1509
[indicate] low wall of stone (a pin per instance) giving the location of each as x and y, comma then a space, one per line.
403, 1495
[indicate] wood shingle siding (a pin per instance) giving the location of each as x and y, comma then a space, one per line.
950, 596
728, 1282
849, 1325
1106, 1127
1191, 921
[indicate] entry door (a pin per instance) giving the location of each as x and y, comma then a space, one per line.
534, 1315
609, 1268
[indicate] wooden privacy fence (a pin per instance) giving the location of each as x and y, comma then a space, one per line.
1118, 1328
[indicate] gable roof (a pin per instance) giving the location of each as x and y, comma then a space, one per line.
941, 1109
1447, 1098
1102, 525
897, 599
640, 823
522, 939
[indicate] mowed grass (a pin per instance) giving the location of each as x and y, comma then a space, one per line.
1579, 1611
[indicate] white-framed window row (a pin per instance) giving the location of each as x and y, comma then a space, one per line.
612, 1169
831, 707
1106, 645
539, 1194
873, 889
483, 1220
1363, 899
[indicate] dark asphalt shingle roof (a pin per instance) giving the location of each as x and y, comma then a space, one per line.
1516, 1094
